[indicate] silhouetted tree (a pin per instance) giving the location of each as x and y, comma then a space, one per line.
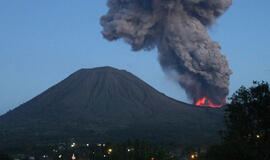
247, 117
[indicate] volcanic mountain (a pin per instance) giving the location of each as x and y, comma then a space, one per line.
107, 104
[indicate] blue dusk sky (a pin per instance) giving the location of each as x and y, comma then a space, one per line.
42, 42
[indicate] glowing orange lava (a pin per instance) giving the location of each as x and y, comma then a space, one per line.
207, 103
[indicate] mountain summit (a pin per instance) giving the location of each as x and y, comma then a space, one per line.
107, 104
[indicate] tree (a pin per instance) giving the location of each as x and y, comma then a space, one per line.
4, 157
247, 118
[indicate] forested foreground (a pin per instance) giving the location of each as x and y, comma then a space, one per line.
247, 117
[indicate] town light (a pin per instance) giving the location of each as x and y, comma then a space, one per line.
130, 149
99, 145
73, 157
110, 150
73, 145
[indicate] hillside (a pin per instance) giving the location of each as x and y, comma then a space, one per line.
107, 104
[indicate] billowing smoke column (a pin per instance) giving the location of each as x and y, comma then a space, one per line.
178, 28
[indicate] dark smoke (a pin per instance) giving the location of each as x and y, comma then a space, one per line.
178, 28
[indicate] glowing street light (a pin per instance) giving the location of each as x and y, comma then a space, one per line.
110, 150
73, 157
130, 149
99, 145
73, 145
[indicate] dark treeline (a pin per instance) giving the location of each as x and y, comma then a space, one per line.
247, 117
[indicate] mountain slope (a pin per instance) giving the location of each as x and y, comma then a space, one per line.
107, 104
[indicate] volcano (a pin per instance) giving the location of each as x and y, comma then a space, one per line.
108, 105
207, 103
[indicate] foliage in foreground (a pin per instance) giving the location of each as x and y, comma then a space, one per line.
248, 126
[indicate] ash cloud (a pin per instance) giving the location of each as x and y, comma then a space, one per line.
178, 28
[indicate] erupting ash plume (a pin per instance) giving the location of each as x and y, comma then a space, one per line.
178, 28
